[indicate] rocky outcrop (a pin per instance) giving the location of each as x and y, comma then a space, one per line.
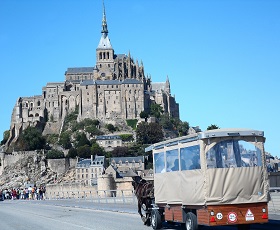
32, 169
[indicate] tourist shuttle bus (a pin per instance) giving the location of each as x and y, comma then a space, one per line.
213, 178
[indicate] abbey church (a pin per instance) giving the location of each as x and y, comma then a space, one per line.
116, 88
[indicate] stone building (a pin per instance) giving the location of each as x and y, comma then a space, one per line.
124, 164
88, 170
115, 88
109, 142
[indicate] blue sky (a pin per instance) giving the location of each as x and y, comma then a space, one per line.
222, 57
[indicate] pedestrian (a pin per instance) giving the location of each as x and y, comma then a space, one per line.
30, 193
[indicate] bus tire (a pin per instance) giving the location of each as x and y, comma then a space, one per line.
191, 221
156, 219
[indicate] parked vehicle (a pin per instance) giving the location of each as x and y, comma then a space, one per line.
212, 178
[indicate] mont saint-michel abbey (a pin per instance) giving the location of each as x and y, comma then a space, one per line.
115, 88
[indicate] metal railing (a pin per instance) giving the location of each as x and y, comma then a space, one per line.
97, 196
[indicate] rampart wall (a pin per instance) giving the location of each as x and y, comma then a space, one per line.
59, 166
106, 187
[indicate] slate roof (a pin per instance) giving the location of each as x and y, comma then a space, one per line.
104, 43
73, 81
99, 159
88, 82
115, 137
85, 163
121, 56
80, 70
129, 173
110, 82
131, 81
158, 86
54, 84
129, 159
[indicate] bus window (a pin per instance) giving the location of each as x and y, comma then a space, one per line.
232, 154
159, 162
172, 160
190, 158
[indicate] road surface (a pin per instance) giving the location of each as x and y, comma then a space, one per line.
73, 215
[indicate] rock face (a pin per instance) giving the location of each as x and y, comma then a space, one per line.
32, 169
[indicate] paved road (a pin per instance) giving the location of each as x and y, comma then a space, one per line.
73, 215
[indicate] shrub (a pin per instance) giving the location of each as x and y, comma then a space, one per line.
132, 123
72, 153
52, 138
54, 154
93, 130
110, 127
65, 140
31, 139
84, 151
126, 137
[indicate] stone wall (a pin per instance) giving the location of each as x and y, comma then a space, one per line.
59, 166
274, 179
70, 190
121, 186
16, 156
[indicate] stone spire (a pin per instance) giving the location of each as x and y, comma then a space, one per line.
104, 42
167, 86
104, 23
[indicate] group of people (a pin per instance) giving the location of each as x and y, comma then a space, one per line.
29, 193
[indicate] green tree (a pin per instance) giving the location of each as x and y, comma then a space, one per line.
132, 123
97, 150
54, 154
51, 138
212, 126
65, 140
183, 128
136, 149
156, 110
81, 140
120, 151
92, 130
31, 139
149, 133
72, 153
69, 118
110, 127
126, 137
6, 136
166, 122
84, 151
145, 115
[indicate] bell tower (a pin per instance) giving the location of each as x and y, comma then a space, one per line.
105, 52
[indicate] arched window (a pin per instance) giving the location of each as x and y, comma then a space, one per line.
100, 55
108, 55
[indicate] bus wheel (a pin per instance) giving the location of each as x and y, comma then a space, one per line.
156, 219
191, 221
